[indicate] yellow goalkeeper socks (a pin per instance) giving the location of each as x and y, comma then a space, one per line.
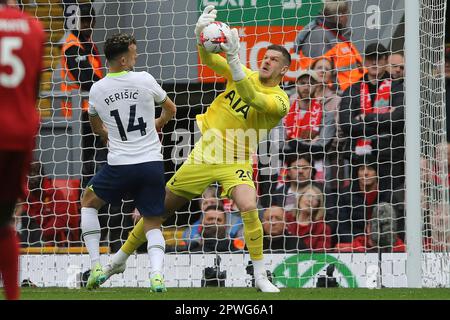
253, 234
135, 239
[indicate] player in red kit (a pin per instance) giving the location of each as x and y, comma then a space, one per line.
21, 48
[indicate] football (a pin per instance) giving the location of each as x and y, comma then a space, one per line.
213, 35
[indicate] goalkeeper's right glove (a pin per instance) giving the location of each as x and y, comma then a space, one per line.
208, 16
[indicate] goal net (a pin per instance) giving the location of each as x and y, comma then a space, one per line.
330, 176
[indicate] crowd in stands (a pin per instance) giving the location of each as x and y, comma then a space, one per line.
341, 186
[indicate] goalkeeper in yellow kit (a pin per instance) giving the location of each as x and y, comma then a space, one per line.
252, 104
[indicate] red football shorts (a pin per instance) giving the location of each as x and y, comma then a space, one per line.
14, 169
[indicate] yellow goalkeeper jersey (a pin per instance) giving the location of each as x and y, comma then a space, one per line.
239, 117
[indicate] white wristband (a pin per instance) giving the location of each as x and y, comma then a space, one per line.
236, 68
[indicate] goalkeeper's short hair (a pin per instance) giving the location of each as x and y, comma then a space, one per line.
284, 52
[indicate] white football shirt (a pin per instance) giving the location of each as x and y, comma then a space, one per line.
125, 102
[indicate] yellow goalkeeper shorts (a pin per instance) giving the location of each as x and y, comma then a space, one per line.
191, 179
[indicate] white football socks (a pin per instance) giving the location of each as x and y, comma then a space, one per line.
90, 228
120, 257
156, 249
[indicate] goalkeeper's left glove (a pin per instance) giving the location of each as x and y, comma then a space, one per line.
231, 47
208, 16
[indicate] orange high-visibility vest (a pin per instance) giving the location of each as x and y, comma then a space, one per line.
69, 83
346, 58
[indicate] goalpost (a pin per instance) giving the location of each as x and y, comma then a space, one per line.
424, 45
412, 149
52, 251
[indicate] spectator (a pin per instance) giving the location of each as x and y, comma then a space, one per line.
213, 232
310, 127
326, 74
300, 173
81, 61
276, 237
355, 212
396, 69
209, 198
435, 218
303, 119
371, 118
307, 220
81, 67
308, 122
328, 36
45, 208
437, 233
326, 90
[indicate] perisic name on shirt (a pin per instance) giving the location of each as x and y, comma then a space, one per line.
122, 95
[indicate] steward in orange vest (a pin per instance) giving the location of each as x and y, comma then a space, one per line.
326, 36
80, 60
82, 67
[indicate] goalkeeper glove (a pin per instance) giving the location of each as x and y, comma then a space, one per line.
209, 15
231, 47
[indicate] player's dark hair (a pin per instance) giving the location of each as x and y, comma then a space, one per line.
118, 45
366, 160
215, 207
286, 54
292, 157
376, 51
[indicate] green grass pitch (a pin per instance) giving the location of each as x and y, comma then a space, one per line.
233, 294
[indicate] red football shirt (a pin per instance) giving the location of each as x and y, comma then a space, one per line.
21, 49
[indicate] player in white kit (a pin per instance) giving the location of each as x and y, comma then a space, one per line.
122, 112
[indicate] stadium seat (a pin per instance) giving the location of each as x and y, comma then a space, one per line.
71, 190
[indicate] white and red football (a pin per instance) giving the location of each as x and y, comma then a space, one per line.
213, 35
